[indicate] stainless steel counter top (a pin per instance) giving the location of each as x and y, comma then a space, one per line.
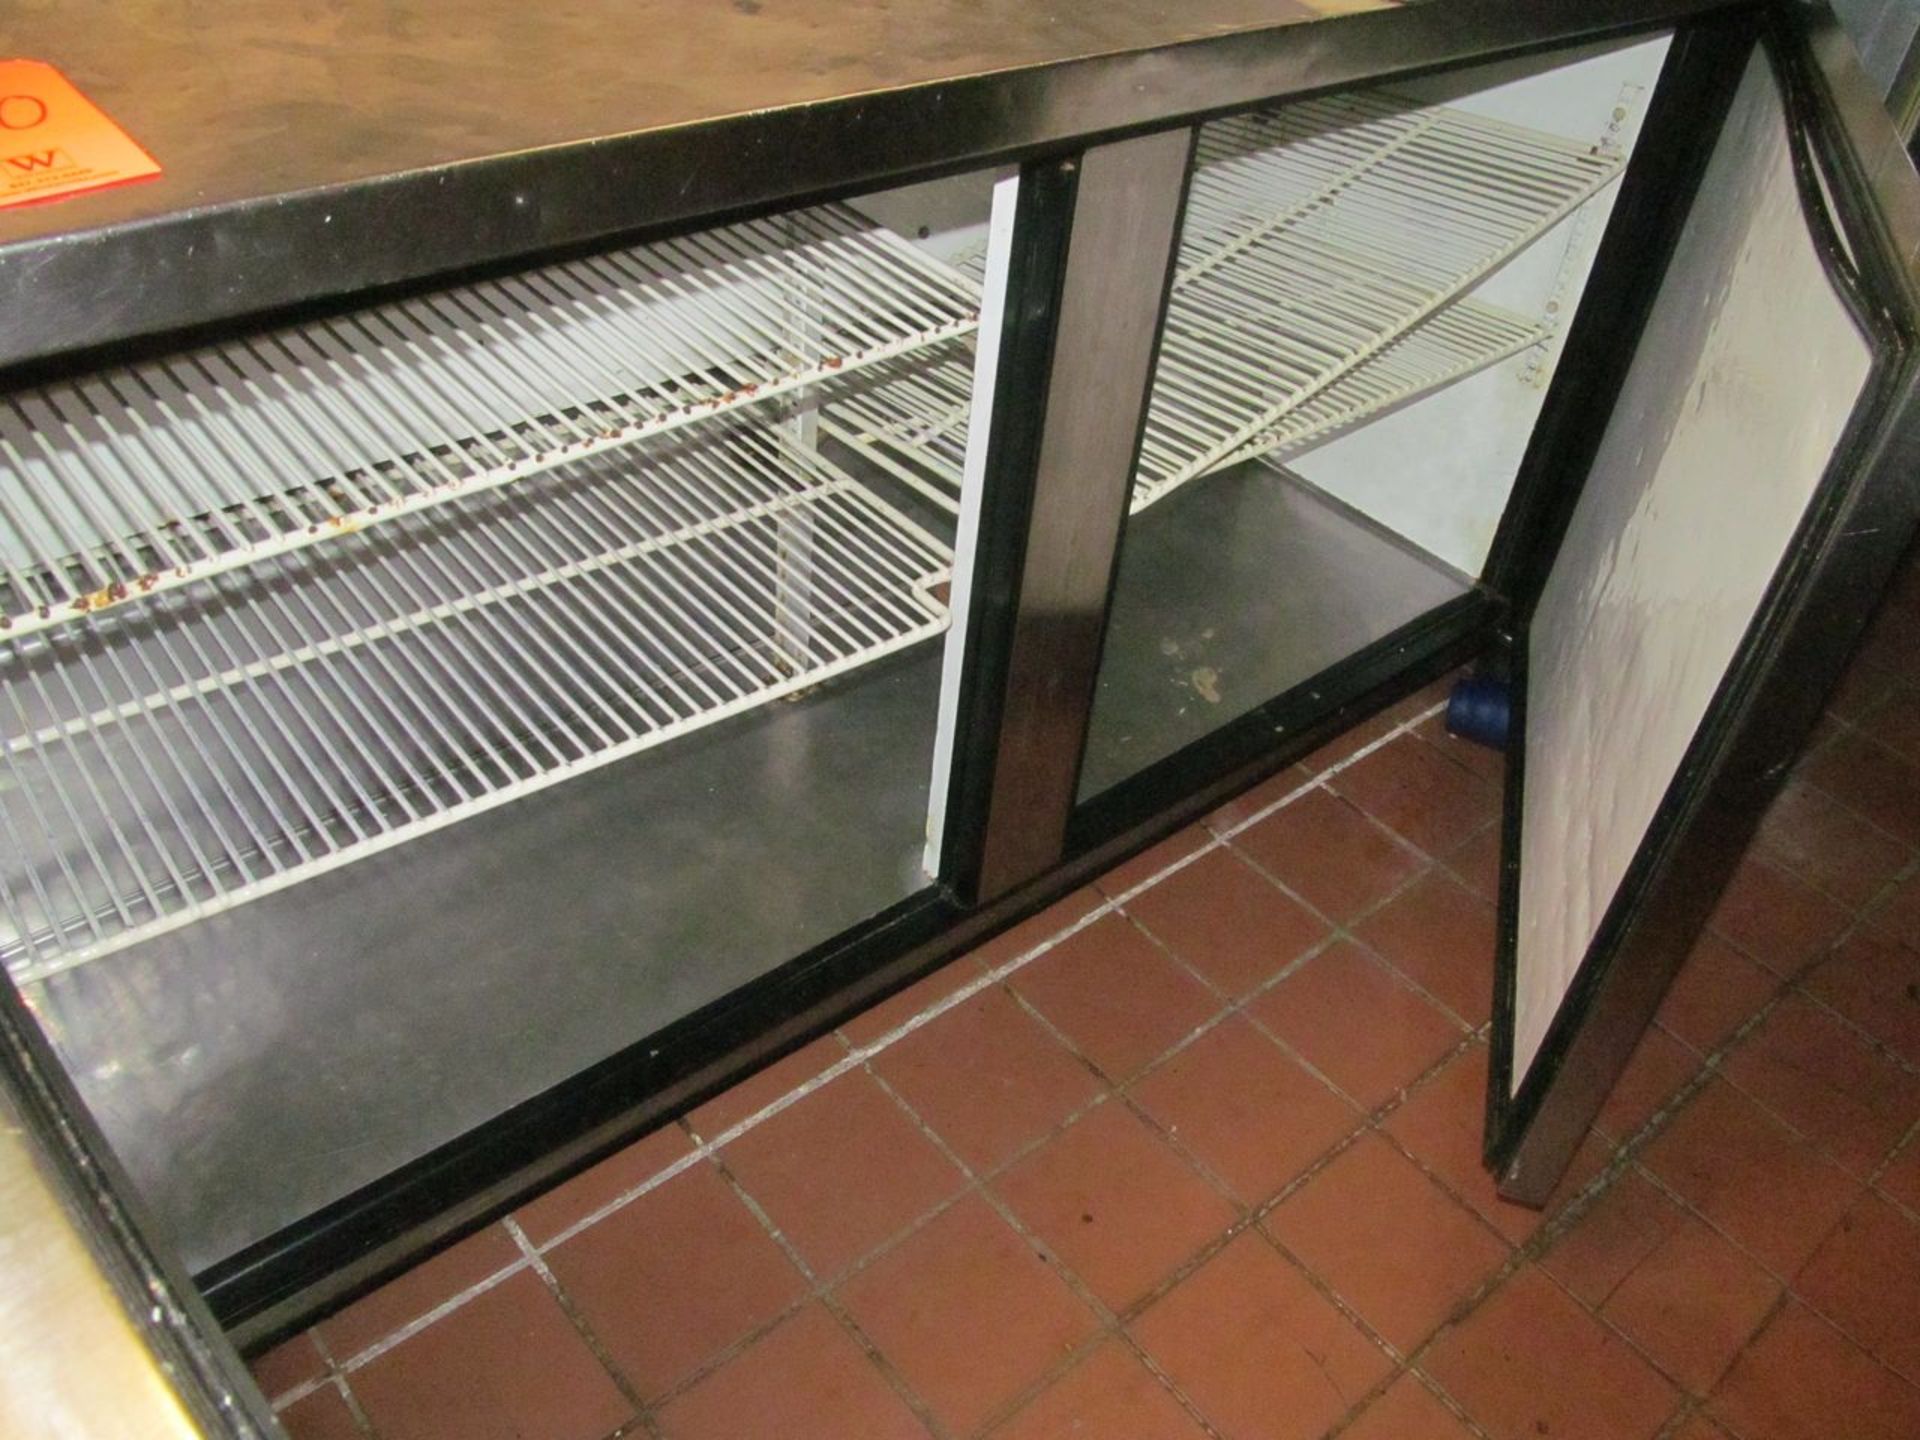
321, 148
246, 101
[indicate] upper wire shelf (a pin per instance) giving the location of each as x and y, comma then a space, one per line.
175, 758
1317, 236
151, 476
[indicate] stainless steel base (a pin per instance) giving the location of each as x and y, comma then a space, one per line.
1235, 589
259, 1065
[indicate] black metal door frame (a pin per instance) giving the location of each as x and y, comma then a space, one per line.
1855, 531
1011, 844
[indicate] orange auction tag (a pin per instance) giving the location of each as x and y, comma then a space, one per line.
55, 142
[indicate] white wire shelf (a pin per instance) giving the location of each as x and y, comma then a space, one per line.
1450, 345
1317, 236
910, 419
146, 478
912, 422
185, 753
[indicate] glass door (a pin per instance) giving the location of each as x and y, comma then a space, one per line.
409, 709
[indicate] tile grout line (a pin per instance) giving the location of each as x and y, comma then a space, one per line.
1853, 726
1230, 1005
857, 1056
1862, 917
1627, 1157
347, 1395
360, 1359
822, 1291
1796, 776
1110, 1326
1248, 1216
1862, 922
1414, 1374
1519, 1257
331, 1377
881, 1249
1372, 1118
987, 1176
817, 1290
1251, 1218
1907, 1142
984, 1178
1338, 932
1220, 838
642, 1413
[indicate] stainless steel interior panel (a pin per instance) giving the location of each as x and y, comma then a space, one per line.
251, 1068
1235, 591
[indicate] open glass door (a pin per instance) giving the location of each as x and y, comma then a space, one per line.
1747, 497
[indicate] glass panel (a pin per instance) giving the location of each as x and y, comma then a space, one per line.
1719, 440
1366, 309
407, 709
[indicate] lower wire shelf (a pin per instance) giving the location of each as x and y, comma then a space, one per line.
910, 419
1327, 254
181, 755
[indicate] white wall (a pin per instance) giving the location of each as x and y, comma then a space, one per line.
953, 211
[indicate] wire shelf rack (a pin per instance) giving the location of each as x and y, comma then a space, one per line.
1450, 345
145, 478
1317, 237
177, 757
911, 422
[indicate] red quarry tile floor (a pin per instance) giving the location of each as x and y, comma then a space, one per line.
1197, 1157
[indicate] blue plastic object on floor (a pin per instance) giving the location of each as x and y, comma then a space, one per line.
1479, 710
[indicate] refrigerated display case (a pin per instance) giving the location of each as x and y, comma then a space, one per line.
509, 626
